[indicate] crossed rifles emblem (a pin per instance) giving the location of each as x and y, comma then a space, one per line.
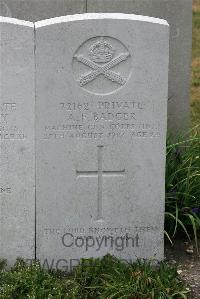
102, 69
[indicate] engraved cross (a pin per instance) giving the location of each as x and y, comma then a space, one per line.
100, 173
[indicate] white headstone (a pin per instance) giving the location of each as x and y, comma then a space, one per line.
101, 111
17, 160
178, 14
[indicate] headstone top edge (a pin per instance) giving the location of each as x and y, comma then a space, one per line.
99, 16
16, 21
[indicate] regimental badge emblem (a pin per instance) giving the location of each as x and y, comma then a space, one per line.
102, 65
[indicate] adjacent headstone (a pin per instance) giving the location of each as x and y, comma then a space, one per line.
4, 10
34, 10
17, 159
178, 13
101, 101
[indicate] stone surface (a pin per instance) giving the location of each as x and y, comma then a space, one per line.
34, 10
178, 13
101, 99
17, 160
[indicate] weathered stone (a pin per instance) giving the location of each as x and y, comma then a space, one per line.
17, 161
178, 13
34, 10
101, 99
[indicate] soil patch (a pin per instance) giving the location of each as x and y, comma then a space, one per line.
185, 257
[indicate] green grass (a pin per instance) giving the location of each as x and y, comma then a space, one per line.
95, 278
195, 86
183, 187
183, 159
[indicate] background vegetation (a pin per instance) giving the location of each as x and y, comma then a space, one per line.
183, 160
195, 86
105, 278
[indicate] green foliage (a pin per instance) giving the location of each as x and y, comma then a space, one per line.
183, 187
110, 278
102, 278
32, 282
195, 104
196, 30
2, 264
